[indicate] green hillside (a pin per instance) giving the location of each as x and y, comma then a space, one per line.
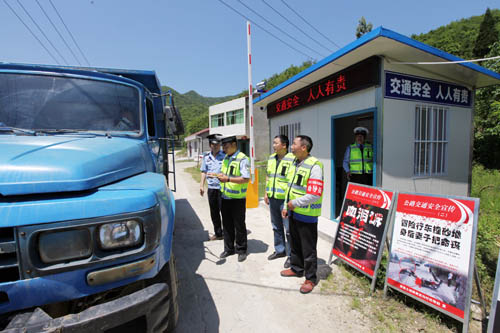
194, 108
458, 37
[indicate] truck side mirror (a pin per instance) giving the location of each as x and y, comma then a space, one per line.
174, 120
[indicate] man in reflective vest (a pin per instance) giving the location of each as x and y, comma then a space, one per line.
278, 165
358, 158
302, 207
234, 178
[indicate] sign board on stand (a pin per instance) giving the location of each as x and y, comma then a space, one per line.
360, 236
432, 251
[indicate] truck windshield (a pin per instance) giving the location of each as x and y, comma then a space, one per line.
52, 103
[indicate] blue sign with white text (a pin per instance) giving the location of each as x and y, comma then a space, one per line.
409, 87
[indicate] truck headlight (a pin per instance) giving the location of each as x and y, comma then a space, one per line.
120, 234
64, 245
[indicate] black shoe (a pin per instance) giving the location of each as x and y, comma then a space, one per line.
287, 263
226, 254
242, 257
275, 255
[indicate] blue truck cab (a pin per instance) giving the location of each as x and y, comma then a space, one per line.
86, 212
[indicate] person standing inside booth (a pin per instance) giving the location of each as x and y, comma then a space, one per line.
358, 159
303, 207
234, 178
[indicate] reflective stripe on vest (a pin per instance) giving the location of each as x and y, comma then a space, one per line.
231, 167
277, 181
297, 187
361, 164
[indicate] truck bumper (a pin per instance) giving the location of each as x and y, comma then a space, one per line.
143, 311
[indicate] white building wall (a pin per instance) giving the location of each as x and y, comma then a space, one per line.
316, 122
398, 151
236, 129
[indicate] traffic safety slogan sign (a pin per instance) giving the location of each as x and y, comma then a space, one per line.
359, 76
362, 225
408, 87
430, 257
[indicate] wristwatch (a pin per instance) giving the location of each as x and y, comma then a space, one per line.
228, 179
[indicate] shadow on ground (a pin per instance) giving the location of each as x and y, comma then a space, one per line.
198, 312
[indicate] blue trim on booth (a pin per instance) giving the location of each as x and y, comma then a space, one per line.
374, 110
378, 32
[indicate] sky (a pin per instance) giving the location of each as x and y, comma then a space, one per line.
201, 45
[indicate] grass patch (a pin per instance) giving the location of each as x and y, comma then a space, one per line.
396, 313
194, 172
486, 187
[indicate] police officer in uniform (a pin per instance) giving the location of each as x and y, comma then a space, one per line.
358, 158
210, 167
234, 178
303, 206
278, 165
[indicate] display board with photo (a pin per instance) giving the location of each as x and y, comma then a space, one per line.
432, 251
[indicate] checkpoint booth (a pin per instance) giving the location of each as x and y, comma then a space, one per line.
420, 115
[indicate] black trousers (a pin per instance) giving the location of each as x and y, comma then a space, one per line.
233, 221
365, 178
214, 201
303, 256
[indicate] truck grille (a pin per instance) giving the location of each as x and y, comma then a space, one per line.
9, 265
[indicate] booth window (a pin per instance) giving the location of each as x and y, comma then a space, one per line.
431, 140
234, 117
290, 130
217, 120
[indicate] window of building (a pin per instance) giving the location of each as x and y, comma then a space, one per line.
290, 130
234, 117
217, 120
431, 140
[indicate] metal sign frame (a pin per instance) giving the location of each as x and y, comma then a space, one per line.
382, 240
494, 301
470, 277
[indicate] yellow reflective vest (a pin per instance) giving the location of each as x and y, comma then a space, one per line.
231, 167
359, 163
277, 182
297, 187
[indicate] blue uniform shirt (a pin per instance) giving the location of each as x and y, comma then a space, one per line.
211, 163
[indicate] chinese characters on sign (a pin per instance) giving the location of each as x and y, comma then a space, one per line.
432, 242
401, 86
358, 76
362, 225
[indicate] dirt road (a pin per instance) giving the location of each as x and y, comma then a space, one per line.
227, 296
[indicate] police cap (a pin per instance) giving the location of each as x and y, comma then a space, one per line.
214, 138
361, 130
229, 139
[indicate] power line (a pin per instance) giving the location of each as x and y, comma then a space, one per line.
293, 24
69, 32
57, 30
43, 33
265, 30
303, 19
32, 33
278, 28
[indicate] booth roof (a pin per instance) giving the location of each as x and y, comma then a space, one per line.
395, 48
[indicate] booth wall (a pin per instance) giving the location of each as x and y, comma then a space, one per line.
398, 151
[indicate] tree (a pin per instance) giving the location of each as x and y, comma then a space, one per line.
363, 27
488, 35
487, 118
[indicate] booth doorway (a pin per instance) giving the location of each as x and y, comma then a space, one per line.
342, 136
